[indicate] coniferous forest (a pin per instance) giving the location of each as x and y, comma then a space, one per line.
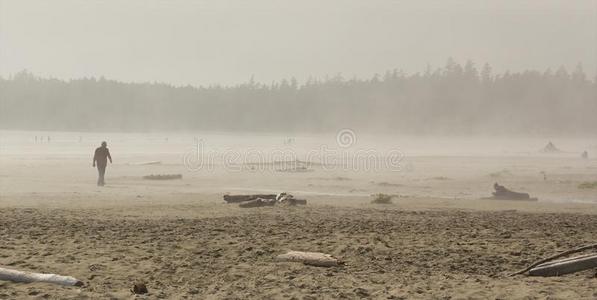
454, 99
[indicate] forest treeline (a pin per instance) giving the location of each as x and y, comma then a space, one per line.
454, 99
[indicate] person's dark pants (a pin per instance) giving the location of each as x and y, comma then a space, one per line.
101, 169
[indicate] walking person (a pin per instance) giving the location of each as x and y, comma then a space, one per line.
101, 156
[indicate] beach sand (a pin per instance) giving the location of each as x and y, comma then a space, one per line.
439, 240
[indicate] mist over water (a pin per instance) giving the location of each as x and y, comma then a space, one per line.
79, 144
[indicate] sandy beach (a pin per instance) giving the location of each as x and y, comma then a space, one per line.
301, 150
439, 240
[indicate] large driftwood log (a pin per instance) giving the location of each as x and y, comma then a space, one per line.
565, 266
288, 199
309, 258
259, 202
294, 201
501, 192
27, 277
565, 253
243, 198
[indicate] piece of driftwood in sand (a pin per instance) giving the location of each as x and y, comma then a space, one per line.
27, 277
295, 201
502, 193
565, 266
310, 258
565, 253
147, 163
243, 198
259, 202
288, 199
163, 176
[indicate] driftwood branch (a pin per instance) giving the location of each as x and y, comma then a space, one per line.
243, 198
503, 193
145, 163
259, 200
309, 258
27, 277
163, 176
565, 266
584, 248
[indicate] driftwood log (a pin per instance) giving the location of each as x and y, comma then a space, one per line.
288, 199
294, 201
146, 163
310, 258
243, 198
163, 176
502, 193
259, 202
27, 277
565, 253
565, 266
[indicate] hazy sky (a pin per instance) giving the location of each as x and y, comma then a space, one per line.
219, 41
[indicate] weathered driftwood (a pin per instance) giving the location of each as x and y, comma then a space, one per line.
243, 198
565, 266
565, 253
27, 277
502, 193
145, 163
310, 258
259, 202
288, 199
163, 176
294, 201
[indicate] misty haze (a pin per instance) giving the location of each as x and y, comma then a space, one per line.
298, 150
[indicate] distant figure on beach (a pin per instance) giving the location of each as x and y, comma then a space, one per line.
101, 156
585, 155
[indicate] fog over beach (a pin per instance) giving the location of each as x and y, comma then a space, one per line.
407, 149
